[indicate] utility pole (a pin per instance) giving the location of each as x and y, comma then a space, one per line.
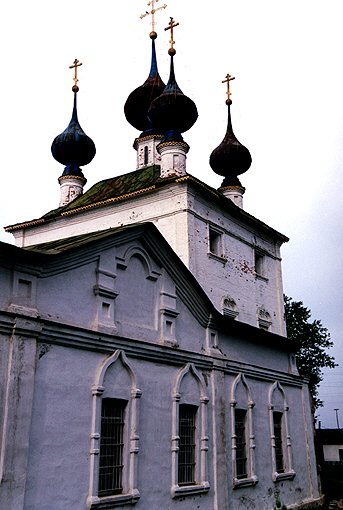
336, 411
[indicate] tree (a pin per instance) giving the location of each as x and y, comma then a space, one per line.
311, 340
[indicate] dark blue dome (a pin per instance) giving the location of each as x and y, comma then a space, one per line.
230, 158
172, 112
73, 148
138, 103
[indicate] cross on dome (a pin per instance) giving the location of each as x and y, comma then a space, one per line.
152, 13
171, 27
74, 66
227, 80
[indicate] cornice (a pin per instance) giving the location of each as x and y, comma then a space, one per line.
64, 335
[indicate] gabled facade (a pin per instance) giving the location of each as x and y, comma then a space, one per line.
114, 322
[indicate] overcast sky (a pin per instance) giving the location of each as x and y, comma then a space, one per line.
287, 109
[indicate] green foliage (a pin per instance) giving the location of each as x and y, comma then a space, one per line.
311, 340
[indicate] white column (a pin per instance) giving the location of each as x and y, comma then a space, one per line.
173, 158
147, 154
234, 193
71, 187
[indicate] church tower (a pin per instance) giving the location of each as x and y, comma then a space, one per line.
231, 158
234, 256
73, 148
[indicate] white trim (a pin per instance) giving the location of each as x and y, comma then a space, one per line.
152, 273
131, 494
251, 479
202, 484
289, 472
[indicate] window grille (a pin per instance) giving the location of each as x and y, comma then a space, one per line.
279, 463
241, 454
111, 446
186, 460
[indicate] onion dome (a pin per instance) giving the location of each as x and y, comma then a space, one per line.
73, 148
173, 113
230, 158
139, 101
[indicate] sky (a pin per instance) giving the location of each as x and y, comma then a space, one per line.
287, 108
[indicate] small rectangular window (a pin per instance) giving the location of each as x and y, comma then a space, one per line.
186, 459
146, 155
111, 446
279, 463
215, 242
24, 288
241, 455
259, 263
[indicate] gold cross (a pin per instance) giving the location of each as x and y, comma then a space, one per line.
152, 12
227, 80
75, 65
171, 27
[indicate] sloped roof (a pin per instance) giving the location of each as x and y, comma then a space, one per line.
115, 187
138, 182
55, 257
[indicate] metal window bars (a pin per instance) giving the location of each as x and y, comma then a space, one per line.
187, 446
279, 460
240, 433
111, 446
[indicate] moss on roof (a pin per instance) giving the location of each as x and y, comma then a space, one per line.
117, 186
143, 180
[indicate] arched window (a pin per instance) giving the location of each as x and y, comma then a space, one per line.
279, 434
189, 434
114, 435
242, 434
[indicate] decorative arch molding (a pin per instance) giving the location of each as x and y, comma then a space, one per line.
131, 494
229, 307
281, 444
189, 368
240, 378
152, 273
263, 318
245, 410
201, 435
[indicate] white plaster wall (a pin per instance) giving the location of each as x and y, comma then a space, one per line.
233, 274
248, 351
59, 444
263, 495
135, 312
6, 287
184, 218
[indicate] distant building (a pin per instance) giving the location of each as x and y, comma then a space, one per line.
143, 353
329, 443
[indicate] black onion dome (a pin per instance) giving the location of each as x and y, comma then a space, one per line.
230, 158
172, 111
73, 148
139, 101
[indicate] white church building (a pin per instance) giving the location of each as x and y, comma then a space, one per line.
144, 359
